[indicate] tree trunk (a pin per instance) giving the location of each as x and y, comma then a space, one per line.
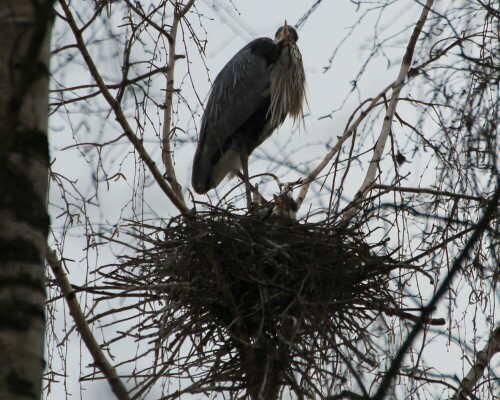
24, 159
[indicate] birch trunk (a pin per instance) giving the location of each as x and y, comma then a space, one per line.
24, 159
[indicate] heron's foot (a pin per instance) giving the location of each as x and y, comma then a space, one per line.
248, 188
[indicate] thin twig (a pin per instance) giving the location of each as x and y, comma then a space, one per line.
428, 191
371, 174
100, 360
391, 311
137, 8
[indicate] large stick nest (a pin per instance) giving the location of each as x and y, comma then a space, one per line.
267, 298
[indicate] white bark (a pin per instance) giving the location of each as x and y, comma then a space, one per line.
371, 174
483, 359
24, 55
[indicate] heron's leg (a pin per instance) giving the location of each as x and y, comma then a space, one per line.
248, 187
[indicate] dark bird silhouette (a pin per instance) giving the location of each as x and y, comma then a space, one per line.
251, 97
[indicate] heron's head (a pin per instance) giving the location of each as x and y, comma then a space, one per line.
286, 33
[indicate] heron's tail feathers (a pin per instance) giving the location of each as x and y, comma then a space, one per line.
201, 175
210, 167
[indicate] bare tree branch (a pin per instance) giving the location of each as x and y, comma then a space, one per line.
120, 116
335, 149
83, 328
371, 174
427, 191
483, 358
168, 133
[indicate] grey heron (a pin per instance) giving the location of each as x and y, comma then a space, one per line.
250, 97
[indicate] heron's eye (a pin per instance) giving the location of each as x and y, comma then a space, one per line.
293, 34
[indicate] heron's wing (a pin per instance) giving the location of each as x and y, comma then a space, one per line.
240, 89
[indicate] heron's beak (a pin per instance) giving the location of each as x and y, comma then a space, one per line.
285, 32
284, 35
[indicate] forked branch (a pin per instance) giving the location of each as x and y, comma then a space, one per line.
396, 89
371, 174
335, 149
167, 132
120, 116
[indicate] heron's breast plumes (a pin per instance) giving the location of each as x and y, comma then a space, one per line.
287, 86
